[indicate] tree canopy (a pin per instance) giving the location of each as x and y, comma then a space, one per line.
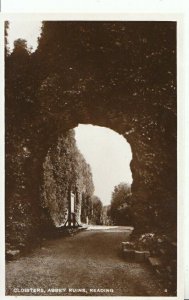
97, 207
120, 204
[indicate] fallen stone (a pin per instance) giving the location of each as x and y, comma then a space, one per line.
129, 254
154, 261
12, 254
160, 240
127, 245
139, 256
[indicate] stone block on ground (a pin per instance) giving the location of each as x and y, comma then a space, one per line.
139, 256
129, 254
12, 254
127, 245
155, 262
160, 240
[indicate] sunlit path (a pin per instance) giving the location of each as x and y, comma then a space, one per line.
90, 260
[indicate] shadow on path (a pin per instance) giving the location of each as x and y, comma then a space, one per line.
89, 261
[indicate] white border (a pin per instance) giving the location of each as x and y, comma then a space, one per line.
181, 124
2, 202
95, 6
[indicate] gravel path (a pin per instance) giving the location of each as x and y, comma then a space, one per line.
88, 263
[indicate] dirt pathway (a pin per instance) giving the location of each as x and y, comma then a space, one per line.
88, 263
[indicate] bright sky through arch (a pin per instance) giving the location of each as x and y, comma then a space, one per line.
109, 156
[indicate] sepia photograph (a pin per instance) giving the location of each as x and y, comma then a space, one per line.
91, 157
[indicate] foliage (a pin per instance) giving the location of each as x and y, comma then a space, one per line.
65, 168
106, 215
20, 45
96, 211
120, 210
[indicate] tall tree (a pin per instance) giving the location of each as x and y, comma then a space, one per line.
97, 206
120, 205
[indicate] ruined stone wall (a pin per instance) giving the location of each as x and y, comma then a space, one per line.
121, 75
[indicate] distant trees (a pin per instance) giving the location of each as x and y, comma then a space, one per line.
97, 207
120, 210
20, 45
106, 215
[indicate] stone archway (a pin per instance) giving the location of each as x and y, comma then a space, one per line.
111, 74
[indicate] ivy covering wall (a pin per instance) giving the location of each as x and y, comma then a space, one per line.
66, 169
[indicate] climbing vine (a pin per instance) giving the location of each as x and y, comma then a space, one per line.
65, 168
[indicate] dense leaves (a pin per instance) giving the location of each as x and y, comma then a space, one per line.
120, 209
97, 208
65, 169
